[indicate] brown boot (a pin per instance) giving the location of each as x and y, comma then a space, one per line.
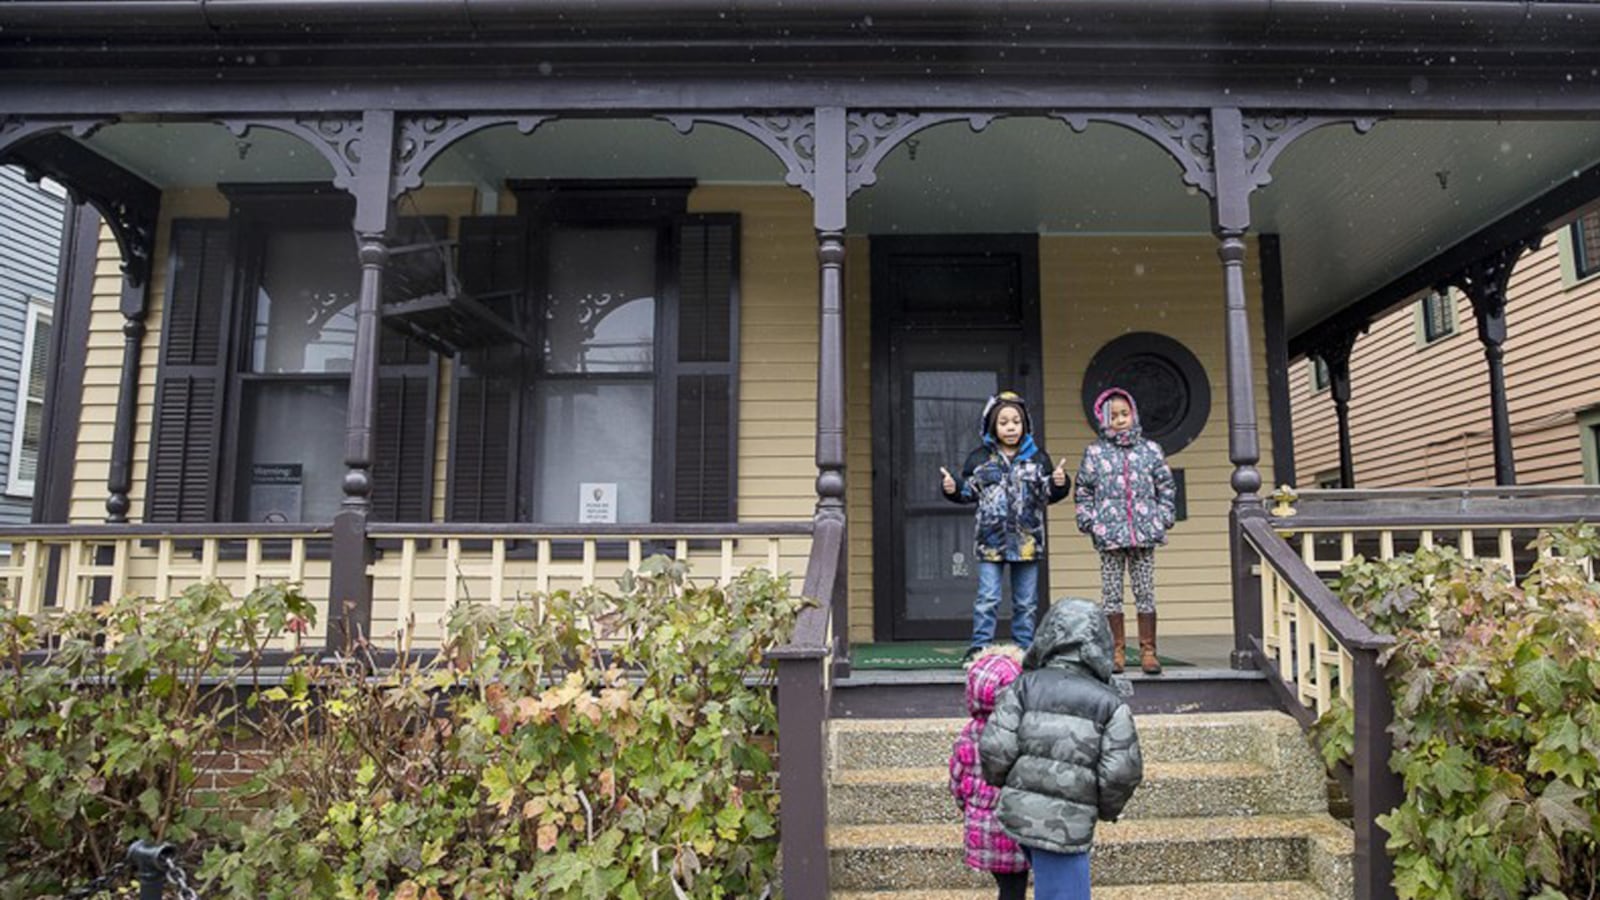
1119, 640
1148, 663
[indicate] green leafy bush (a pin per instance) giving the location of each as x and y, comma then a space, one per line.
104, 718
1497, 719
583, 745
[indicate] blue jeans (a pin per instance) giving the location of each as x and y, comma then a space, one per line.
1059, 876
1024, 601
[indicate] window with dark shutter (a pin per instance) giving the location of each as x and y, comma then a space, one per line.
704, 446
486, 404
190, 381
408, 387
622, 406
1586, 244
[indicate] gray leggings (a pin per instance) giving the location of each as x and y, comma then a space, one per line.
1140, 563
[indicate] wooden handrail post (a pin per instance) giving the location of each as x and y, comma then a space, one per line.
1376, 789
802, 765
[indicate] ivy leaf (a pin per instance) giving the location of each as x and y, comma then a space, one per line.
1559, 807
1540, 678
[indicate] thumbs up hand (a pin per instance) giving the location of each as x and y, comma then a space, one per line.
949, 482
1059, 476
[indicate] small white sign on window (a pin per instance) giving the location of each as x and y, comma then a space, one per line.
597, 503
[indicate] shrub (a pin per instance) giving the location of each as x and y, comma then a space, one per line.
584, 744
104, 715
1497, 718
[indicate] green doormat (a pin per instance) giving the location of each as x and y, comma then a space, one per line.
943, 655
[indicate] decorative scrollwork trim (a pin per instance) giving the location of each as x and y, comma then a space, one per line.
16, 129
423, 137
871, 135
791, 137
1186, 136
1268, 134
337, 137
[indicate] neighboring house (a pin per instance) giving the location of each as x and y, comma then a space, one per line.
424, 302
1419, 408
30, 239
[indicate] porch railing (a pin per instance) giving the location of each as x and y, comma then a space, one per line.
1315, 650
64, 568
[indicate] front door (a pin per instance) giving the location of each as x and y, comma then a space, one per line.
954, 319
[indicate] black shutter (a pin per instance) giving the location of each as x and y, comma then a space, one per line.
408, 390
705, 370
486, 409
191, 380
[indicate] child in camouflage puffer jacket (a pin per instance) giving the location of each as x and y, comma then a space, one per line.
1126, 499
1062, 748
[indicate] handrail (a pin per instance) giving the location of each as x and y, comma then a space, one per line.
804, 666
635, 530
1513, 491
1293, 642
1342, 624
1424, 508
165, 530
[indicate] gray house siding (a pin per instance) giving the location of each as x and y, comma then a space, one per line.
30, 239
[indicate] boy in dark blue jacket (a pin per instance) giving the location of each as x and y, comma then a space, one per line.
1011, 480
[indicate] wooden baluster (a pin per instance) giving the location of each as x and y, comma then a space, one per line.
71, 592
408, 585
1508, 556
727, 562
635, 553
497, 572
208, 559
252, 564
120, 552
297, 560
1386, 544
1464, 543
1347, 547
452, 573
772, 555
542, 577
680, 552
29, 599
588, 562
164, 569
1347, 685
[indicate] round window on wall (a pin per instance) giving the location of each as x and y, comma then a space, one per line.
1166, 381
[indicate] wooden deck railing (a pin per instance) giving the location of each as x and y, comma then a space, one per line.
63, 568
1314, 649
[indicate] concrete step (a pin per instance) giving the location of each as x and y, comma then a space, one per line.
925, 743
1314, 849
1170, 790
1244, 890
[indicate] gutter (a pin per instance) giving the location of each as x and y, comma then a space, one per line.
1561, 23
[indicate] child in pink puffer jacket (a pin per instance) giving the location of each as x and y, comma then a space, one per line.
989, 848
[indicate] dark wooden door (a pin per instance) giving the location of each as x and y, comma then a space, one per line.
955, 319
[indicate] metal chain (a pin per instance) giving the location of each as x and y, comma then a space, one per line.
103, 883
176, 878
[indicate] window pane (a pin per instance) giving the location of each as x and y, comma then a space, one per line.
32, 429
305, 307
1586, 238
600, 315
292, 436
39, 359
595, 434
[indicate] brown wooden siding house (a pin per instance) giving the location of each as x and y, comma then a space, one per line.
422, 302
1419, 406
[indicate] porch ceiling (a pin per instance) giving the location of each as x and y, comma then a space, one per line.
1353, 211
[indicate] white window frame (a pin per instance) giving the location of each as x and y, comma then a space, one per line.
38, 309
1447, 307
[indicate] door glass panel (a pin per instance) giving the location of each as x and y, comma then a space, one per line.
941, 576
293, 436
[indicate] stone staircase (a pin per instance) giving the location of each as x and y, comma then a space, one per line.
1233, 805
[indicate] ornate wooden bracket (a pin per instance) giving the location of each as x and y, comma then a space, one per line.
1485, 280
791, 137
871, 134
126, 202
1187, 137
424, 137
337, 137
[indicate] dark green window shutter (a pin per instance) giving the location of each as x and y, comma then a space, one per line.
191, 380
408, 390
705, 369
486, 407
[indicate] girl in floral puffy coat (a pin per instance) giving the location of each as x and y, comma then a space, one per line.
1126, 500
988, 847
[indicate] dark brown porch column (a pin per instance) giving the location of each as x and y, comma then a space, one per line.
1334, 352
828, 204
350, 589
1230, 220
1484, 281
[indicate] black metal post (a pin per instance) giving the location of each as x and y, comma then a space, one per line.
350, 594
1272, 323
119, 478
148, 862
